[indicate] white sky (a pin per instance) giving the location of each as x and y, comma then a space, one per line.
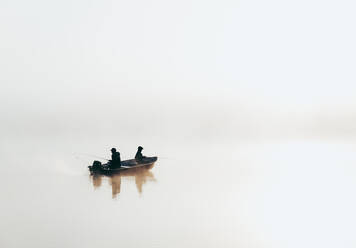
279, 53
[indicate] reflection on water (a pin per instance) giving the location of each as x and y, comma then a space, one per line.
260, 195
141, 175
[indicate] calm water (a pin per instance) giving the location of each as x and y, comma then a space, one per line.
249, 105
249, 194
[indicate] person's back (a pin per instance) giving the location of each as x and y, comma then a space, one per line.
115, 159
139, 157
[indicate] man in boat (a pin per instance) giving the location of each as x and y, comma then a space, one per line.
139, 157
115, 159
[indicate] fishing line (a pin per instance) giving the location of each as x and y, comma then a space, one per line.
93, 156
82, 160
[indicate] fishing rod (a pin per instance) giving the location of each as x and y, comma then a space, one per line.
93, 156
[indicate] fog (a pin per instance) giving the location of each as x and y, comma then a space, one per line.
249, 105
192, 68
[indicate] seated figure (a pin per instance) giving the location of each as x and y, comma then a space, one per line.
115, 159
139, 157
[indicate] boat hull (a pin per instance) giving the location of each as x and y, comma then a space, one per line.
125, 165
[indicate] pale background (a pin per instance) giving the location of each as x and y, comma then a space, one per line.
250, 106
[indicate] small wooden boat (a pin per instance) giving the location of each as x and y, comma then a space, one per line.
97, 167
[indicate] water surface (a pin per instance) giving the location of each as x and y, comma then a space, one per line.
247, 194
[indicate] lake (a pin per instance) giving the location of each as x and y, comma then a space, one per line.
251, 193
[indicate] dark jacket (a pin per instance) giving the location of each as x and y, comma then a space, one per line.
115, 159
138, 156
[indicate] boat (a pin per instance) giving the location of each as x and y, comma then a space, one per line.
97, 167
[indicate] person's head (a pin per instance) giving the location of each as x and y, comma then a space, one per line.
113, 150
140, 148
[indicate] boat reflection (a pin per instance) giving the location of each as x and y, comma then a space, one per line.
141, 176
